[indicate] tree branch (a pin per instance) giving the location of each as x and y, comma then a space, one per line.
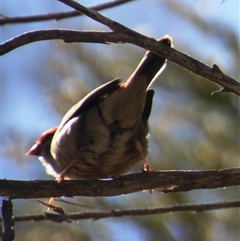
214, 74
113, 25
124, 213
198, 67
123, 34
8, 223
67, 36
58, 16
164, 181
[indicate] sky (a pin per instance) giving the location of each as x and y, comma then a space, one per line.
21, 104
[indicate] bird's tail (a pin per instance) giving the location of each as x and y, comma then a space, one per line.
151, 65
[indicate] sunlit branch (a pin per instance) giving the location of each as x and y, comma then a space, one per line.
163, 181
213, 74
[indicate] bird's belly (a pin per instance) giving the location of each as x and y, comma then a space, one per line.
97, 161
102, 151
107, 165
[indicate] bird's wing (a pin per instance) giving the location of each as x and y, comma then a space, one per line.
90, 100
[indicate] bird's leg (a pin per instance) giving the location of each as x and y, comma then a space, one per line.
60, 176
59, 179
51, 202
54, 208
146, 166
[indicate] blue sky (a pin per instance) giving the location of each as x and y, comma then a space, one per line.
22, 107
21, 104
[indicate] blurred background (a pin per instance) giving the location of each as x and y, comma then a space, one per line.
190, 128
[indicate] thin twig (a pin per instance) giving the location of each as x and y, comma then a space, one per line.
113, 25
164, 181
124, 213
57, 16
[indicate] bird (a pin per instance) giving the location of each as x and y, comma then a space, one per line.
106, 133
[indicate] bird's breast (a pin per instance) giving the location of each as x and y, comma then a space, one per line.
100, 149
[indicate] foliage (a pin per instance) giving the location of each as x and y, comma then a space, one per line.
190, 129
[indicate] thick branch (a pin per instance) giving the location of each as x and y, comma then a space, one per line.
214, 74
198, 67
58, 16
124, 213
165, 181
67, 36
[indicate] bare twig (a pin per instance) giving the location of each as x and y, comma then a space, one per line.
124, 213
115, 26
57, 16
162, 50
67, 36
165, 181
124, 34
198, 67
